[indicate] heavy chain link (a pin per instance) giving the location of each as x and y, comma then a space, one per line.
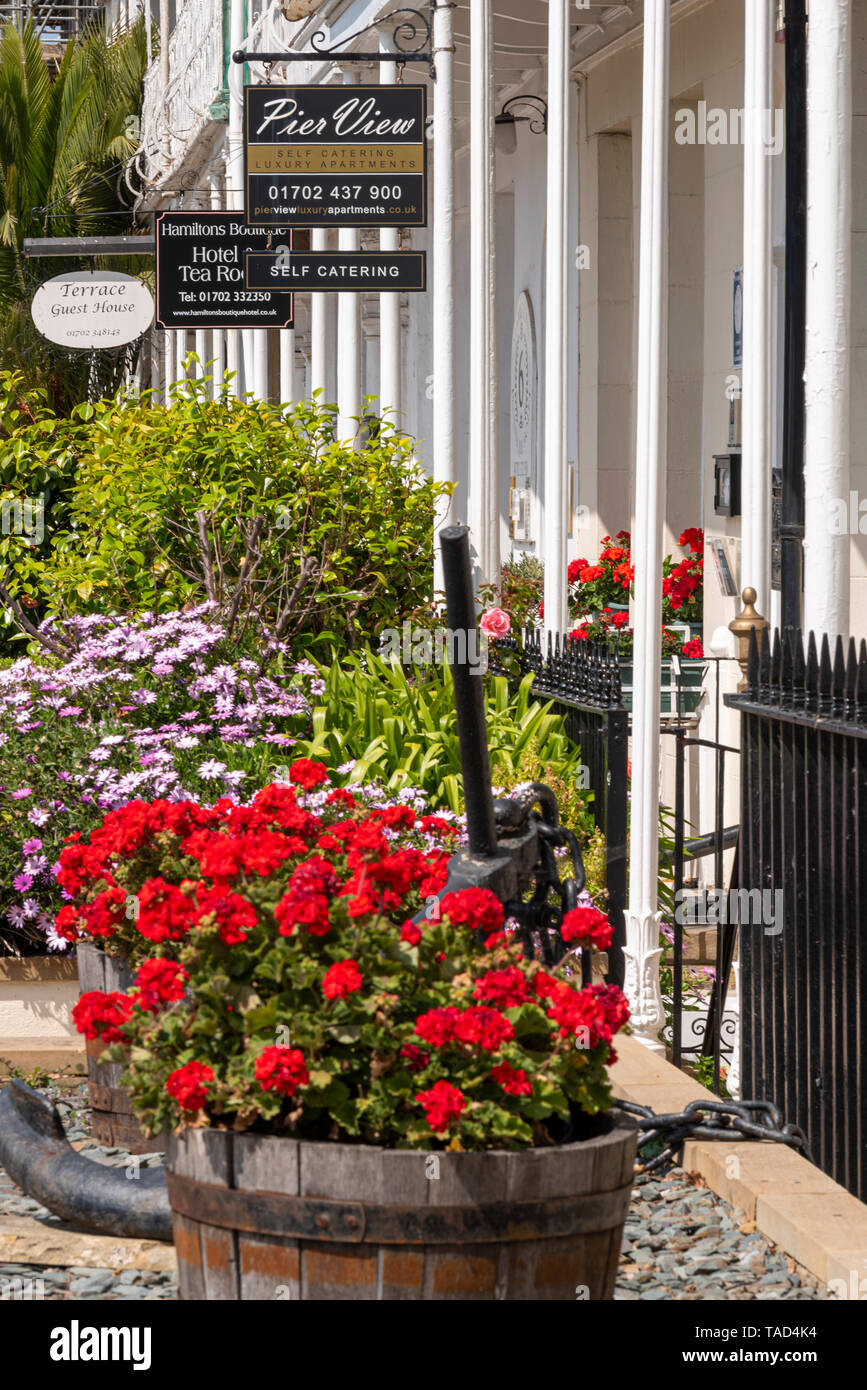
725, 1119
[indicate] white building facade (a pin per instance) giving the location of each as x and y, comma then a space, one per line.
605, 318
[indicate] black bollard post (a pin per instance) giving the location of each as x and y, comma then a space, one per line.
469, 691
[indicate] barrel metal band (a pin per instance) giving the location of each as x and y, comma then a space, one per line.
323, 1218
110, 1098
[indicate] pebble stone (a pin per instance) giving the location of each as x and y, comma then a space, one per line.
681, 1241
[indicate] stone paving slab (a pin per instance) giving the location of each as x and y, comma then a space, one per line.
27, 1240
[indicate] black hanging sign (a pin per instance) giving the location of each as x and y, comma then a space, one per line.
335, 156
403, 272
200, 273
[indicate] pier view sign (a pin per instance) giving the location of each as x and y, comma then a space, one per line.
335, 156
200, 273
403, 272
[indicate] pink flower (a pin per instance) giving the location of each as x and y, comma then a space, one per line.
496, 623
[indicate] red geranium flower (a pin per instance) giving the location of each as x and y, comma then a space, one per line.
343, 977
308, 774
101, 1015
410, 933
587, 926
443, 1104
106, 913
415, 1059
485, 1028
165, 913
504, 989
232, 915
189, 1085
157, 983
512, 1079
66, 922
437, 1026
478, 908
281, 1069
693, 536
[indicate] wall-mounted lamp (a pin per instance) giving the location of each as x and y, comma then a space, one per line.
535, 114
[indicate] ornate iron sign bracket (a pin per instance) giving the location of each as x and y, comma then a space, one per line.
414, 29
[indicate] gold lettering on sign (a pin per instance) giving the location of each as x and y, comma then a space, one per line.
332, 159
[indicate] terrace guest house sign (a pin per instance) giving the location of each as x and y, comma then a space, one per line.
92, 309
335, 156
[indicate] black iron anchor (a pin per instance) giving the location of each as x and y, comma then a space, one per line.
510, 844
38, 1157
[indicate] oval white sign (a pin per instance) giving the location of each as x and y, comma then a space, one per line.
92, 309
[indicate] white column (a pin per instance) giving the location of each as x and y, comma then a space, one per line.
165, 30
218, 335
158, 340
757, 375
235, 172
170, 372
484, 491
201, 369
555, 521
260, 363
444, 377
389, 311
287, 366
348, 335
319, 326
829, 297
642, 917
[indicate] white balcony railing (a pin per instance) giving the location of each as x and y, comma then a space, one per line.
174, 116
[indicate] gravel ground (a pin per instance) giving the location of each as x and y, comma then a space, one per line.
681, 1241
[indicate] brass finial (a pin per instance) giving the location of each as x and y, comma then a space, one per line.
742, 625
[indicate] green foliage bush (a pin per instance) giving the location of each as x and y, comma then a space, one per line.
297, 538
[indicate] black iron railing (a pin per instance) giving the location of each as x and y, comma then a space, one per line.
804, 838
583, 682
685, 851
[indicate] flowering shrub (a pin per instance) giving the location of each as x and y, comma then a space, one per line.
682, 583
328, 1013
594, 587
598, 592
134, 708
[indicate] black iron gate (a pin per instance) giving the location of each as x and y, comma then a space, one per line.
804, 975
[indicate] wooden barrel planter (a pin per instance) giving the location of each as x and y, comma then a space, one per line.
112, 1120
257, 1217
